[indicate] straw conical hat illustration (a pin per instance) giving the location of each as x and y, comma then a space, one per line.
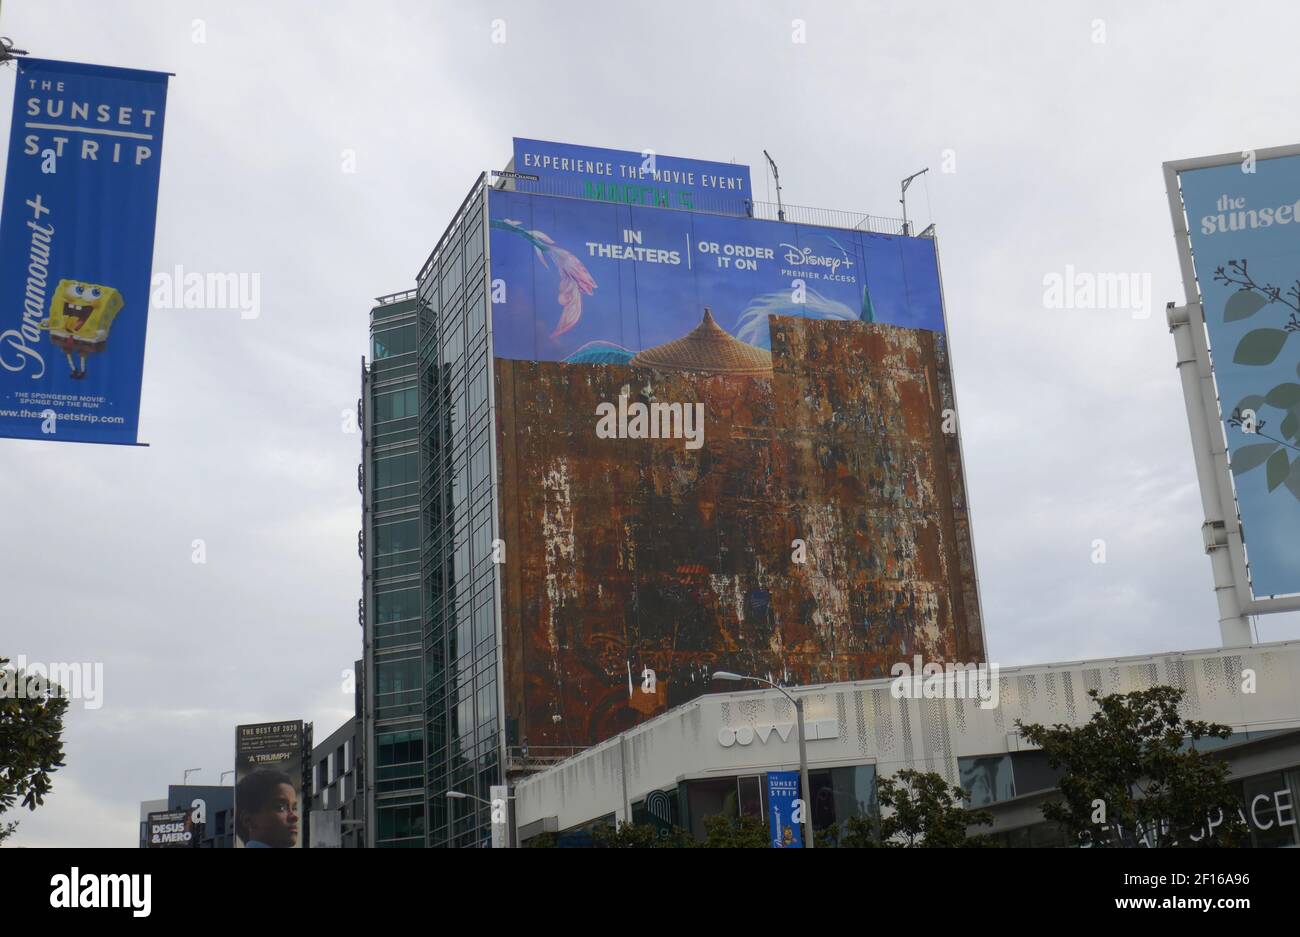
707, 347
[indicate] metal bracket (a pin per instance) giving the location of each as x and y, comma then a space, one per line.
1215, 535
7, 51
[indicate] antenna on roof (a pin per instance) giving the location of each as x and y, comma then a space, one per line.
903, 200
780, 212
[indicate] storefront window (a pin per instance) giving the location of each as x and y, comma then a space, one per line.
988, 778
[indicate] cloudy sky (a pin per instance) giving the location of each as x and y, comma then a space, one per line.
1072, 420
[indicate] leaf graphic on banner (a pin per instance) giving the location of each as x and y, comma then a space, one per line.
1242, 305
1260, 346
1252, 402
1289, 425
1293, 479
1277, 467
1252, 456
1284, 396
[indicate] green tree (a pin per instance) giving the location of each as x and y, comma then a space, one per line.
675, 838
641, 836
31, 745
1129, 774
853, 833
735, 833
927, 813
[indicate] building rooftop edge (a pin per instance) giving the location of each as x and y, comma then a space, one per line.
882, 682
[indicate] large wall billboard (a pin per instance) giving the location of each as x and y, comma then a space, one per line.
76, 249
723, 444
269, 792
1243, 221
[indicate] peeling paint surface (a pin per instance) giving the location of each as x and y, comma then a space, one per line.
640, 553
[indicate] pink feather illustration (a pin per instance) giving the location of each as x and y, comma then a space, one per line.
575, 279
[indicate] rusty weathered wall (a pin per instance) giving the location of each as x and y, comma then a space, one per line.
632, 554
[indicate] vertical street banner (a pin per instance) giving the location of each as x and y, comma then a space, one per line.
76, 249
1243, 223
269, 785
782, 792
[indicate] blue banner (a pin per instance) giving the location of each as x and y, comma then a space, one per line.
76, 249
782, 792
1244, 223
596, 284
632, 178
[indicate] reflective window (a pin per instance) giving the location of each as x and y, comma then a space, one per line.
988, 778
402, 822
397, 537
400, 756
397, 676
391, 342
397, 470
841, 793
397, 605
395, 406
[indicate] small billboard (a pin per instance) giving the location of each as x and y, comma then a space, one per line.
269, 785
173, 829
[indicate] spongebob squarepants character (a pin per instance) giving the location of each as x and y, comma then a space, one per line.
80, 316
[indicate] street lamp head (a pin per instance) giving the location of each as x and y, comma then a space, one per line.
456, 795
726, 675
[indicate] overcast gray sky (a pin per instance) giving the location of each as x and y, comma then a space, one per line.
1072, 420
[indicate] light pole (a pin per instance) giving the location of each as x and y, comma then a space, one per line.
188, 772
222, 779
903, 201
803, 751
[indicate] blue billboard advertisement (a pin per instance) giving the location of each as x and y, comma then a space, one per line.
611, 281
1244, 223
632, 178
76, 249
782, 792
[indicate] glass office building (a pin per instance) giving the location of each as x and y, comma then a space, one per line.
431, 590
389, 545
482, 667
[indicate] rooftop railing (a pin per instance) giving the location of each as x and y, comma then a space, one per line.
650, 194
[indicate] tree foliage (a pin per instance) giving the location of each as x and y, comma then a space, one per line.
736, 833
853, 833
31, 745
1129, 777
927, 813
641, 836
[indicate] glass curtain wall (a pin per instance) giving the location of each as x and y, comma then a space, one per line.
457, 573
392, 517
